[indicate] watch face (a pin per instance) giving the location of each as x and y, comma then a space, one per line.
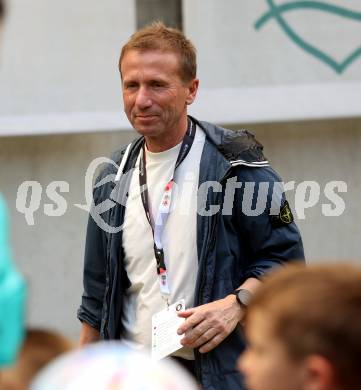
244, 296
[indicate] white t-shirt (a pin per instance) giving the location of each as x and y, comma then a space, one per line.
143, 298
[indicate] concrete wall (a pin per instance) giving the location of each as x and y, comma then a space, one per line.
50, 253
234, 53
62, 57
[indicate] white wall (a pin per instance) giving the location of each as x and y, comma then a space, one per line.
59, 72
62, 56
269, 77
232, 53
50, 253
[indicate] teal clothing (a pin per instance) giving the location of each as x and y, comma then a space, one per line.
12, 297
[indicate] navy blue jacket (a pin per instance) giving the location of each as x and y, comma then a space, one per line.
232, 246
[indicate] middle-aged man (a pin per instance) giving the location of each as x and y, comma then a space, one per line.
166, 238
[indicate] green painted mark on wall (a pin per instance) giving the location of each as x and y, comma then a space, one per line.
276, 12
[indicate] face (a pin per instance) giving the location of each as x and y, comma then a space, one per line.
155, 97
266, 364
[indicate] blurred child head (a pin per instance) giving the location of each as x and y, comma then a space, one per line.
2, 14
112, 365
39, 348
2, 10
304, 330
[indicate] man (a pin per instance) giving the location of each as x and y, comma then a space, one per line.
180, 245
303, 328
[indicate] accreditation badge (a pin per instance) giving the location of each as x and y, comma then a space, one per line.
165, 339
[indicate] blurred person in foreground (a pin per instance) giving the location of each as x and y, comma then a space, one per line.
178, 239
12, 286
111, 366
12, 297
2, 11
304, 330
40, 347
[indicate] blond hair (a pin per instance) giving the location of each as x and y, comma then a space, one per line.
157, 36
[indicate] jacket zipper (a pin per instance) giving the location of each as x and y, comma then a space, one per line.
215, 219
107, 279
211, 239
198, 355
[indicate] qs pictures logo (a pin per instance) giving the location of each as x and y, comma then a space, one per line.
277, 13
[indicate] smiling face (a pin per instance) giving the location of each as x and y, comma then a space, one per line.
266, 364
155, 97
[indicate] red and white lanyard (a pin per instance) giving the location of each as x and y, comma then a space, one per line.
164, 207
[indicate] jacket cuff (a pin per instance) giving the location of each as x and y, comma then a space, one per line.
84, 316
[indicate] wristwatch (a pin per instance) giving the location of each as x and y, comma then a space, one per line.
243, 296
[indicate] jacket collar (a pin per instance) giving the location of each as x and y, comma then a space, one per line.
238, 147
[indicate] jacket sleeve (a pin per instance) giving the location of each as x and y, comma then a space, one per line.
95, 263
271, 242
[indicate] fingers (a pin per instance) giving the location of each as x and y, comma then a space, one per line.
212, 343
202, 339
209, 333
193, 320
195, 333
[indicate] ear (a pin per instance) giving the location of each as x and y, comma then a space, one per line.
192, 91
319, 373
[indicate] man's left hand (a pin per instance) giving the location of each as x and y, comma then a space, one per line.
208, 325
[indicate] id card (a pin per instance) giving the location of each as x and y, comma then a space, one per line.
165, 324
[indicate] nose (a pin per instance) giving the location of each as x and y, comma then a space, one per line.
143, 99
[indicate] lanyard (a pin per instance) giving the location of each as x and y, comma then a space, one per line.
164, 207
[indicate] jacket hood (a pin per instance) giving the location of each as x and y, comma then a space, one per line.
237, 146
